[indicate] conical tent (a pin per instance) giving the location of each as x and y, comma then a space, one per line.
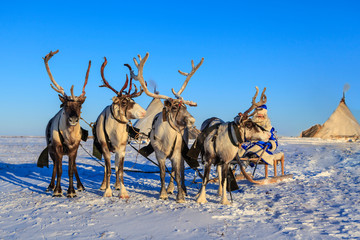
145, 124
341, 125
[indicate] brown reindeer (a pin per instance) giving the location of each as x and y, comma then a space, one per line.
166, 136
111, 131
223, 141
63, 133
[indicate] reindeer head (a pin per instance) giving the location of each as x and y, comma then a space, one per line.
124, 107
252, 130
71, 104
175, 109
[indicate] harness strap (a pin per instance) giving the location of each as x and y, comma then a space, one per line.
236, 129
62, 140
199, 142
166, 118
118, 120
107, 139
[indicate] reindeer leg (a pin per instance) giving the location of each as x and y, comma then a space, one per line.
103, 183
79, 185
107, 175
120, 174
171, 187
182, 172
161, 161
51, 186
201, 196
71, 191
180, 198
58, 164
117, 166
219, 172
225, 169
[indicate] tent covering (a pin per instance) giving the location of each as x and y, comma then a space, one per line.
341, 125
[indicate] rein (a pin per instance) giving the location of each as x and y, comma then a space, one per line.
167, 118
116, 119
238, 138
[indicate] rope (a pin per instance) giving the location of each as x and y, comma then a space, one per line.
125, 170
91, 125
131, 170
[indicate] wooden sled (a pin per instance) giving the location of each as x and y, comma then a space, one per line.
265, 180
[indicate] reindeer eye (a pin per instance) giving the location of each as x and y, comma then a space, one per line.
249, 124
124, 102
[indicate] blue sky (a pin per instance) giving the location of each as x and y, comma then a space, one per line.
302, 51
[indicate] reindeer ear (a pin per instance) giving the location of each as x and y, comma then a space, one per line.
62, 99
167, 103
115, 100
81, 100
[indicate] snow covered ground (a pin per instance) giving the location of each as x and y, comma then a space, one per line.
321, 202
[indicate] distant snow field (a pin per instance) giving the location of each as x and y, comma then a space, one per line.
321, 201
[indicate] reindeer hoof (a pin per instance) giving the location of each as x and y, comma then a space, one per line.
225, 202
80, 188
57, 194
71, 195
124, 196
103, 186
108, 193
163, 197
180, 200
201, 201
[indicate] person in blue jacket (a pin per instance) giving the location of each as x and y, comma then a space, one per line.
261, 118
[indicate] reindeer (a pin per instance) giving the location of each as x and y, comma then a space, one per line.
111, 131
63, 133
166, 136
223, 141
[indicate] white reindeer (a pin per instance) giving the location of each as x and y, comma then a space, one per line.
166, 136
222, 143
111, 131
63, 133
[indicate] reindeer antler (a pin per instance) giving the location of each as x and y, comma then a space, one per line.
139, 77
57, 87
106, 83
86, 80
188, 76
135, 93
263, 100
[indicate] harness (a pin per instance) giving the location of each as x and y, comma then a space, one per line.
238, 138
62, 140
147, 150
97, 145
118, 120
199, 142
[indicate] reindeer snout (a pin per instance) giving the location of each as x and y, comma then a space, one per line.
73, 120
190, 121
142, 114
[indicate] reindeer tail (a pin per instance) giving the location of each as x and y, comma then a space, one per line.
43, 160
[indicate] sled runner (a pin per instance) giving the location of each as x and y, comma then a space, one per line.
257, 160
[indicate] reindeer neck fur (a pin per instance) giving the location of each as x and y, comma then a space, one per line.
168, 117
62, 133
164, 137
120, 118
116, 130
